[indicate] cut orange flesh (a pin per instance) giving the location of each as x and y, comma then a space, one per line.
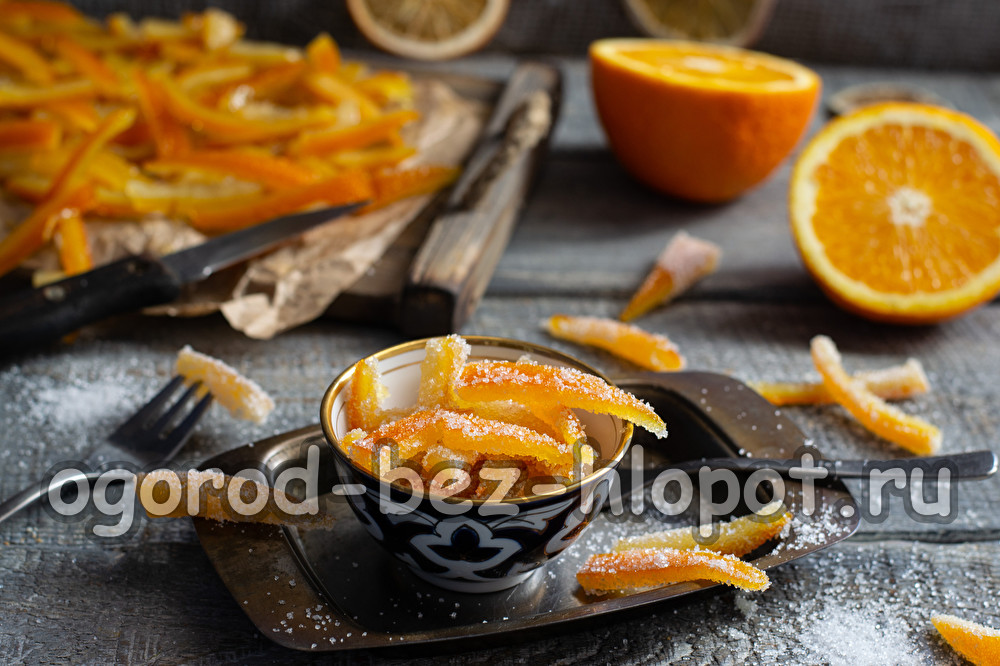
736, 537
243, 397
645, 349
684, 261
697, 121
910, 432
896, 212
979, 644
632, 570
549, 386
894, 383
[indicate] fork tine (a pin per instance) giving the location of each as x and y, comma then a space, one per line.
161, 424
151, 408
180, 434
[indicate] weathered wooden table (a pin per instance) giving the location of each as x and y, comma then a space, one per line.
585, 241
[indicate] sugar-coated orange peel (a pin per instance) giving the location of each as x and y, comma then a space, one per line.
897, 382
205, 494
365, 396
208, 111
645, 349
242, 396
735, 537
977, 643
684, 261
891, 423
642, 568
545, 385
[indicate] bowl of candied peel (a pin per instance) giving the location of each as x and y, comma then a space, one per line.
481, 458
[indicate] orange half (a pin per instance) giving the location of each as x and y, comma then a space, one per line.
896, 212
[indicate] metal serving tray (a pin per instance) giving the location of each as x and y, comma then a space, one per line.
338, 590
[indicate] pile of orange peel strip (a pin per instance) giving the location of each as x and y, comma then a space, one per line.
186, 119
674, 556
863, 395
473, 415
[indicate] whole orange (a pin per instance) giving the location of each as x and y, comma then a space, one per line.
698, 121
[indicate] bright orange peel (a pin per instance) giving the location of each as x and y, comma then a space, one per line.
977, 643
897, 382
683, 262
645, 349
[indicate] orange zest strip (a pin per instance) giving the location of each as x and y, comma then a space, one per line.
206, 495
351, 187
88, 64
358, 136
459, 432
736, 537
29, 236
266, 83
78, 114
43, 11
268, 170
548, 386
647, 350
371, 158
222, 125
329, 88
363, 406
29, 135
977, 643
170, 138
24, 58
393, 186
684, 261
633, 570
71, 242
894, 383
323, 54
80, 160
441, 369
910, 432
14, 96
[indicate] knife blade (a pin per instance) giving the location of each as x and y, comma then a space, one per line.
33, 317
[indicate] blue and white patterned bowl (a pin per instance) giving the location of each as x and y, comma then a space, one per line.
478, 546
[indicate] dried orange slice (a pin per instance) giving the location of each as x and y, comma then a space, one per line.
684, 261
910, 432
459, 432
645, 349
633, 570
736, 537
977, 643
243, 397
548, 386
698, 121
895, 210
733, 22
428, 29
897, 382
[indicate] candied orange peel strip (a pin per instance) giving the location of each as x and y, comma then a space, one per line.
645, 349
545, 385
634, 570
459, 432
897, 382
684, 261
205, 494
891, 423
441, 369
365, 396
735, 537
243, 397
977, 643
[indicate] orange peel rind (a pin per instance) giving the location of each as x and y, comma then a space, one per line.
545, 385
735, 537
645, 349
910, 432
684, 261
638, 569
977, 643
897, 382
243, 397
367, 392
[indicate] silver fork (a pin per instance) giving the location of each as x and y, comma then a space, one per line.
154, 434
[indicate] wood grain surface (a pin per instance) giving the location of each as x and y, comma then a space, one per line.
586, 239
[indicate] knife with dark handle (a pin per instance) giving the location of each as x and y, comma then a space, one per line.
34, 317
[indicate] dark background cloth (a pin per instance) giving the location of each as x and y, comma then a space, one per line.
927, 34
